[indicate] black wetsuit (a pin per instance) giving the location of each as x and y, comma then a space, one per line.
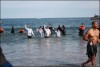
91, 50
81, 32
12, 30
63, 31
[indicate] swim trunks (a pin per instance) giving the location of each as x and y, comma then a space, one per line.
91, 50
29, 37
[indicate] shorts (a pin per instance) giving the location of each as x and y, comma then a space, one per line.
91, 50
29, 37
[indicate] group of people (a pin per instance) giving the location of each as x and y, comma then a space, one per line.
12, 30
44, 31
47, 31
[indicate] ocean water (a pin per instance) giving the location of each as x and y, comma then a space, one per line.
67, 51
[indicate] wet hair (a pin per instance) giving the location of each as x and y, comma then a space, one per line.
93, 22
82, 23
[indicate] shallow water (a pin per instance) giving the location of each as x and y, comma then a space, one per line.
69, 50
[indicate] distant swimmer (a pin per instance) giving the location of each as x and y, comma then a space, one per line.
12, 29
30, 32
58, 33
48, 31
3, 61
21, 30
92, 38
1, 30
81, 30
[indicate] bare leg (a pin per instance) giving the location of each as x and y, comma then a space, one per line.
89, 60
93, 61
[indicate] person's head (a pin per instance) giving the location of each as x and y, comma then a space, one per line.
40, 27
63, 26
58, 25
12, 27
21, 28
81, 23
47, 27
29, 27
95, 24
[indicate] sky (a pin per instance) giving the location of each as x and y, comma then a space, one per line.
48, 9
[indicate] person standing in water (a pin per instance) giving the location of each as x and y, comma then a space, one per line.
47, 31
60, 29
41, 32
63, 30
58, 33
21, 30
13, 29
92, 37
1, 30
81, 30
30, 32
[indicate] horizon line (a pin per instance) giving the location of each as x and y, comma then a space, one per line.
41, 18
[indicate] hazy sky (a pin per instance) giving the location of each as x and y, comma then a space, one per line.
48, 9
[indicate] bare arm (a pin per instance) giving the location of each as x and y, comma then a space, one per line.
99, 38
99, 41
85, 37
26, 27
33, 33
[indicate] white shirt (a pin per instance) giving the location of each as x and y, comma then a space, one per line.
48, 32
40, 30
58, 33
30, 31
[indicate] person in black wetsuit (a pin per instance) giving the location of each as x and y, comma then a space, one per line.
92, 36
12, 29
59, 28
63, 30
51, 28
3, 61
